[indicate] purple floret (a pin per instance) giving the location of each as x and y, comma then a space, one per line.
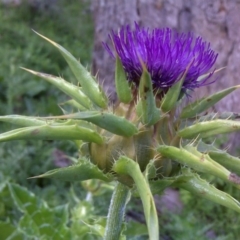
166, 55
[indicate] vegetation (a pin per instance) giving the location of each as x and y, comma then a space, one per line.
54, 206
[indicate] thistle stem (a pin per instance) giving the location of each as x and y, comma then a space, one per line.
116, 212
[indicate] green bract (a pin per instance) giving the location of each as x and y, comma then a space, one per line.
141, 141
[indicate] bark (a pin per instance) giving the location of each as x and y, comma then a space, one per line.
217, 21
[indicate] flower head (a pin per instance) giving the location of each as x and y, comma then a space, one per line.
166, 55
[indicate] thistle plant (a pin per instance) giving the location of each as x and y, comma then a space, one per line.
154, 136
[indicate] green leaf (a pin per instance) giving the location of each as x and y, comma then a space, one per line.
204, 147
10, 232
149, 113
81, 171
96, 229
122, 86
224, 115
73, 104
135, 229
201, 188
62, 212
30, 227
222, 157
199, 161
194, 184
26, 121
83, 213
88, 83
226, 159
172, 96
107, 121
71, 90
202, 77
158, 186
23, 121
38, 220
164, 130
48, 132
127, 166
203, 104
209, 128
25, 201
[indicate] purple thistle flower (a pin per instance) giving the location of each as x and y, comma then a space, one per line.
166, 54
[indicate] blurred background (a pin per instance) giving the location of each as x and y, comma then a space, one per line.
81, 26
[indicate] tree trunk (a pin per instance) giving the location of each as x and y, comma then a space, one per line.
217, 21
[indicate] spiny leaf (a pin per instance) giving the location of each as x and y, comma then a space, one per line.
108, 121
88, 83
194, 184
204, 147
209, 128
220, 156
122, 85
203, 104
81, 171
73, 104
201, 188
164, 130
149, 113
223, 115
171, 97
201, 162
71, 90
47, 132
226, 159
23, 121
127, 166
202, 77
26, 121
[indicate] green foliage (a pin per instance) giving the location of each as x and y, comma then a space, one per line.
202, 218
25, 216
36, 219
19, 46
27, 95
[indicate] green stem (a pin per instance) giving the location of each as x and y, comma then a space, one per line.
116, 212
125, 166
